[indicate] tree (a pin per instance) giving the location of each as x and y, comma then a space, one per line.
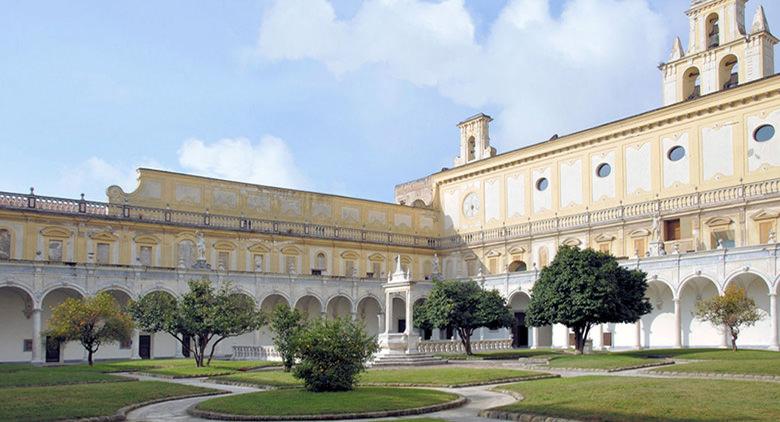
332, 353
732, 311
91, 321
464, 306
205, 315
582, 288
287, 324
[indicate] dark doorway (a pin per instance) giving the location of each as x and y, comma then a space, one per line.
52, 350
520, 335
185, 350
145, 346
427, 333
401, 325
449, 333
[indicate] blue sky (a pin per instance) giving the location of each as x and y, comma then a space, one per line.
344, 97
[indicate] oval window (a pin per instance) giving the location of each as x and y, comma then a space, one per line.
542, 184
764, 133
676, 153
603, 170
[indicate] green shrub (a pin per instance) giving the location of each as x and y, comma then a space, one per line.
332, 353
286, 324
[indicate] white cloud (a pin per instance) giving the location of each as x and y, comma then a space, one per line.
544, 73
267, 162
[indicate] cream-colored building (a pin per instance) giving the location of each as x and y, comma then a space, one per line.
689, 193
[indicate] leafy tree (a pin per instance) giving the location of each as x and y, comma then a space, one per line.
91, 321
582, 288
732, 311
287, 324
205, 315
464, 306
332, 353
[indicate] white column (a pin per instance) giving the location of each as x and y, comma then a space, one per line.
677, 324
37, 349
534, 337
388, 313
354, 316
481, 333
638, 340
724, 338
134, 345
408, 330
773, 321
381, 322
178, 353
566, 343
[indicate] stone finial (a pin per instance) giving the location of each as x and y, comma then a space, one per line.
677, 50
760, 23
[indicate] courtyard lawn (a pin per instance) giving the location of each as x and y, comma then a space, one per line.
436, 376
509, 354
707, 354
83, 400
24, 375
184, 368
300, 402
648, 399
721, 361
607, 361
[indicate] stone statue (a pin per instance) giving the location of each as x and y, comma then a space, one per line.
656, 229
435, 263
201, 247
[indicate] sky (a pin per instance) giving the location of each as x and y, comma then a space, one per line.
343, 96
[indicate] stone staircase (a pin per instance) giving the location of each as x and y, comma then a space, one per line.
414, 359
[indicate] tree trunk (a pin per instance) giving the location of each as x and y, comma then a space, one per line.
465, 338
89, 356
733, 341
213, 347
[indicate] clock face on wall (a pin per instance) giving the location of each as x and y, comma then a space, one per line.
471, 205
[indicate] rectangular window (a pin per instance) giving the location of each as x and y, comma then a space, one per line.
145, 256
672, 229
639, 247
55, 250
493, 265
606, 339
604, 247
27, 346
349, 268
471, 268
764, 228
723, 239
102, 254
124, 345
376, 268
223, 260
258, 262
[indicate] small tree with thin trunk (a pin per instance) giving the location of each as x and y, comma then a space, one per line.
581, 288
465, 306
205, 315
287, 324
92, 321
732, 311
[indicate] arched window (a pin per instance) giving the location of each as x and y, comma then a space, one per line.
713, 31
517, 266
472, 153
5, 244
322, 265
728, 74
692, 84
186, 254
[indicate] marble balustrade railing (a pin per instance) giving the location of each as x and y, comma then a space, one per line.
456, 346
255, 353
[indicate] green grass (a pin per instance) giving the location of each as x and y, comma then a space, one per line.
185, 368
438, 376
301, 402
510, 354
708, 354
648, 399
720, 361
599, 361
28, 375
85, 400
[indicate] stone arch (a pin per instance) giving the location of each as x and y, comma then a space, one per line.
161, 344
271, 301
120, 289
658, 326
310, 305
696, 333
728, 72
338, 306
396, 311
691, 83
521, 332
369, 308
757, 287
16, 331
712, 30
517, 266
160, 288
744, 271
116, 350
81, 292
53, 297
247, 339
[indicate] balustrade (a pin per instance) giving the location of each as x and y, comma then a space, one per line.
456, 346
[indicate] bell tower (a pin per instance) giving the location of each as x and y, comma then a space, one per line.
475, 139
722, 53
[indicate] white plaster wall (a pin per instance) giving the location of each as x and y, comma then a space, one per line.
163, 345
602, 187
717, 152
14, 329
368, 313
571, 190
515, 194
658, 325
451, 209
542, 199
694, 331
638, 168
762, 154
757, 334
676, 173
492, 200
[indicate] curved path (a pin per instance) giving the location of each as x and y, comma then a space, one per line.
480, 398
